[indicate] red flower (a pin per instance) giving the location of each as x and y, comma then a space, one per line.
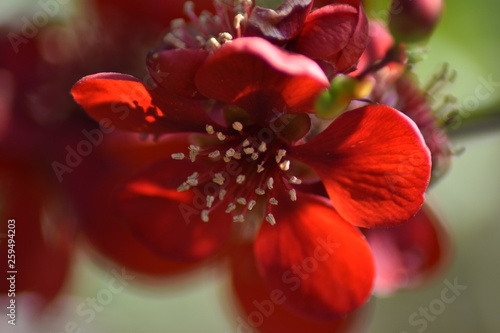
247, 106
334, 35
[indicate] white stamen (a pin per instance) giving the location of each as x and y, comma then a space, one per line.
246, 143
255, 156
281, 153
241, 201
230, 207
238, 218
273, 201
226, 159
178, 156
204, 215
230, 152
238, 18
210, 200
222, 194
192, 182
219, 179
209, 129
295, 180
221, 136
214, 154
237, 156
238, 126
225, 37
285, 165
183, 187
249, 150
193, 151
293, 194
262, 147
212, 44
260, 191
270, 218
270, 183
260, 167
240, 179
251, 204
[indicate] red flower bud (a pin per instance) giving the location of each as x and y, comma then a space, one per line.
336, 33
414, 20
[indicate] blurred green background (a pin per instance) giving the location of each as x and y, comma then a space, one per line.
468, 199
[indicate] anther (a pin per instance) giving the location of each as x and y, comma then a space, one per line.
240, 179
285, 165
237, 156
183, 187
237, 21
230, 152
210, 200
204, 215
238, 218
246, 143
212, 44
260, 167
249, 150
225, 37
295, 180
178, 156
280, 154
241, 201
255, 156
214, 154
222, 194
262, 147
193, 151
221, 136
270, 183
270, 218
260, 191
230, 207
293, 195
251, 204
273, 201
238, 126
218, 179
209, 129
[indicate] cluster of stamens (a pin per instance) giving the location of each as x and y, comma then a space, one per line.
207, 30
263, 167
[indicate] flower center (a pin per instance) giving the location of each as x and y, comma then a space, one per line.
248, 168
208, 30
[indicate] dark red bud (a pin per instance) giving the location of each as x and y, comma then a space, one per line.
414, 20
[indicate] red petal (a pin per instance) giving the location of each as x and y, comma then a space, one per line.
94, 185
374, 164
337, 33
409, 254
169, 221
123, 101
174, 70
320, 262
262, 308
259, 77
280, 25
